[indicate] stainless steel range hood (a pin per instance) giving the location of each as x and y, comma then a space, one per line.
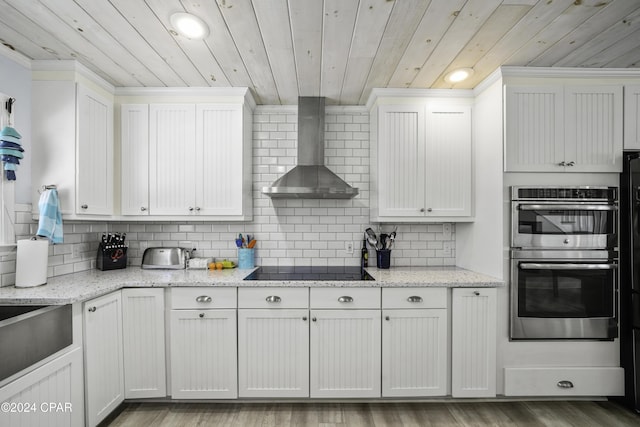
310, 179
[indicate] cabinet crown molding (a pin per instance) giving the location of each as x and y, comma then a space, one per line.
572, 72
41, 68
236, 92
416, 93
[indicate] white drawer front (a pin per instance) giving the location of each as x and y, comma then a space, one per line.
414, 298
345, 298
203, 297
269, 297
565, 381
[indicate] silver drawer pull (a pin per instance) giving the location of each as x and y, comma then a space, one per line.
476, 293
565, 384
201, 315
273, 298
204, 298
345, 299
414, 299
92, 309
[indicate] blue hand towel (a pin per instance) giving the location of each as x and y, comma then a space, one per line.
50, 223
12, 139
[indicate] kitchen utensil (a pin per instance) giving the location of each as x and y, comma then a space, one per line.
371, 237
391, 239
252, 243
383, 240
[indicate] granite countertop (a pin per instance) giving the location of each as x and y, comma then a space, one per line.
89, 284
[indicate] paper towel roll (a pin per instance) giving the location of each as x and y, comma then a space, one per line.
31, 263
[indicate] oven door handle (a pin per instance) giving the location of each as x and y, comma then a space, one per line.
527, 207
566, 266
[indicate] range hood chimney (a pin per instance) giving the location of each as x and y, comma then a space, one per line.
310, 179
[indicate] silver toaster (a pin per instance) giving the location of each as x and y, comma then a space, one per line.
166, 258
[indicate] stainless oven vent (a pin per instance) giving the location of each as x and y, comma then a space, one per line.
310, 179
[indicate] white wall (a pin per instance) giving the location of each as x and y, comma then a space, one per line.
15, 81
479, 244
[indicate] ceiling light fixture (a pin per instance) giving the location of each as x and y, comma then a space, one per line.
458, 75
189, 25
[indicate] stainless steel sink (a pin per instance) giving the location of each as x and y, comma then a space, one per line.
31, 333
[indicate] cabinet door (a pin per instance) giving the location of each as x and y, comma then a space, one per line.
273, 354
58, 383
53, 160
203, 354
94, 162
593, 128
448, 161
143, 343
414, 352
473, 342
134, 159
219, 160
534, 140
104, 377
632, 117
400, 168
172, 175
345, 353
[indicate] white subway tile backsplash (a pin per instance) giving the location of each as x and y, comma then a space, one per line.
289, 232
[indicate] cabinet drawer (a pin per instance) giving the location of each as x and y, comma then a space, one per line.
414, 298
197, 298
345, 298
269, 297
564, 381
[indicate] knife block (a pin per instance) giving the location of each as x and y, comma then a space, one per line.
111, 257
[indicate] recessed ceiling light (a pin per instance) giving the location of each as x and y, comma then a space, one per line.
189, 25
458, 75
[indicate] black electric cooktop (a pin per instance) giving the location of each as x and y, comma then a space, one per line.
309, 273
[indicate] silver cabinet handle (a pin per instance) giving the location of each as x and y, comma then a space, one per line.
572, 163
476, 293
414, 299
84, 206
562, 164
201, 315
387, 318
542, 266
190, 208
429, 210
422, 209
573, 207
92, 309
142, 209
198, 208
273, 298
565, 384
204, 298
345, 299
304, 319
314, 319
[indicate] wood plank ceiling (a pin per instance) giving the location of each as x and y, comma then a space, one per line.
339, 49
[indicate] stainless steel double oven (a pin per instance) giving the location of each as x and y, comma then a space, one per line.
564, 263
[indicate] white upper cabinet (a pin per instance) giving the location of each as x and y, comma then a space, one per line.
186, 160
172, 151
632, 117
73, 147
421, 159
563, 128
134, 147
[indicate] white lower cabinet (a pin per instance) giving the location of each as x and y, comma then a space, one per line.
473, 342
345, 357
414, 342
203, 343
51, 395
144, 343
564, 381
273, 352
273, 342
103, 356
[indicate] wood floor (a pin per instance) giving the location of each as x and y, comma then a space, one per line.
529, 414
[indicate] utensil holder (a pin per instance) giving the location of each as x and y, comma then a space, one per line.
246, 258
383, 258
